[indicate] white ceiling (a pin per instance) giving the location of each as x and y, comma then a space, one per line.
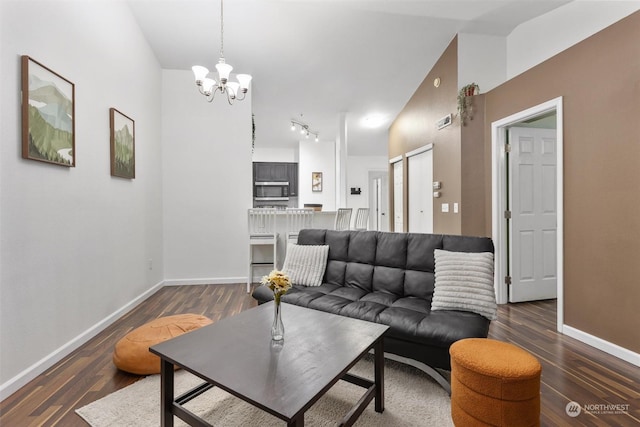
321, 58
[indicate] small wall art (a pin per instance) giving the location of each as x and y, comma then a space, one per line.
123, 146
48, 115
316, 182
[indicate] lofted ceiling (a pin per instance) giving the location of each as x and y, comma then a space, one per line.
324, 58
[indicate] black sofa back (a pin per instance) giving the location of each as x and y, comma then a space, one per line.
399, 263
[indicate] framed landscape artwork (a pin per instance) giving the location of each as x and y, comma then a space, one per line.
48, 115
123, 148
316, 182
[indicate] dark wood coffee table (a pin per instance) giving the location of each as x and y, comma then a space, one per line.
238, 355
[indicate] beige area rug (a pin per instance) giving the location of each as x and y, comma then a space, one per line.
412, 399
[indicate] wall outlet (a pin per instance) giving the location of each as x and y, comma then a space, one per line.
150, 264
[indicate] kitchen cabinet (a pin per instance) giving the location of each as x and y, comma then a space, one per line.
270, 171
292, 173
277, 172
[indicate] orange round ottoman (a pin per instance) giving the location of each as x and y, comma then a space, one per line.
494, 383
131, 353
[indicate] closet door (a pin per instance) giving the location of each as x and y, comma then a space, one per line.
398, 200
420, 203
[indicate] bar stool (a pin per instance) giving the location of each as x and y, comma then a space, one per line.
297, 219
343, 219
262, 231
362, 219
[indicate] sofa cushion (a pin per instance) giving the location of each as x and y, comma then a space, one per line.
305, 264
464, 281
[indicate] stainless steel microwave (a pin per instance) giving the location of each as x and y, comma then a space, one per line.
271, 190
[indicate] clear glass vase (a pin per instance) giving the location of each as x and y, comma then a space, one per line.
277, 328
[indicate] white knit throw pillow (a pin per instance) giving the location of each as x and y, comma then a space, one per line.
305, 264
464, 281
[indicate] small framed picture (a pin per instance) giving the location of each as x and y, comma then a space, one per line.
316, 182
48, 115
123, 145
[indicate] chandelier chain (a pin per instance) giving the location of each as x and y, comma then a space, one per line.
221, 28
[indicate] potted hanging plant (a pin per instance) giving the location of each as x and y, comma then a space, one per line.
464, 101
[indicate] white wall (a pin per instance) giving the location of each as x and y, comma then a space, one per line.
75, 241
482, 59
287, 155
317, 157
539, 39
358, 168
206, 181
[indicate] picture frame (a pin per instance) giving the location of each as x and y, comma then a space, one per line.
48, 115
316, 182
123, 144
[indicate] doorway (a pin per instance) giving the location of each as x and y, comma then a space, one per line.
398, 199
420, 200
501, 226
379, 200
531, 202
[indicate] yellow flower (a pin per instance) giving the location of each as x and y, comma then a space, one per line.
277, 281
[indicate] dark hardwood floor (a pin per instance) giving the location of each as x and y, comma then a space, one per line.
571, 371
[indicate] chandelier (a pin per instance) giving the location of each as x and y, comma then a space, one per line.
304, 129
208, 87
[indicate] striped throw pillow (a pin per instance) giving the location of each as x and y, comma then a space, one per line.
305, 264
464, 281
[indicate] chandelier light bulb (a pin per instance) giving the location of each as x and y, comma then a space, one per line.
224, 70
207, 86
244, 80
316, 138
200, 73
293, 127
233, 88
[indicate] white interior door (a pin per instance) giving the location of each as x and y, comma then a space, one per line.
533, 225
398, 199
379, 201
420, 174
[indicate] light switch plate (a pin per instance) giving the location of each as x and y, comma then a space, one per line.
445, 207
455, 208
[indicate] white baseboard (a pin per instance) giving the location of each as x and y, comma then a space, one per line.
206, 281
20, 380
600, 344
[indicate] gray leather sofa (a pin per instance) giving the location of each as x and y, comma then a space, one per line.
388, 278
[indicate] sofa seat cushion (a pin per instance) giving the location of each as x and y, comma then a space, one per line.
436, 328
409, 318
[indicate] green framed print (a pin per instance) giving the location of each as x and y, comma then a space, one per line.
123, 148
48, 115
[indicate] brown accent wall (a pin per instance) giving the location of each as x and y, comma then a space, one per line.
415, 127
473, 194
599, 80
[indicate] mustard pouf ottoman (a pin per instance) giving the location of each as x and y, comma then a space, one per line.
131, 353
494, 383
